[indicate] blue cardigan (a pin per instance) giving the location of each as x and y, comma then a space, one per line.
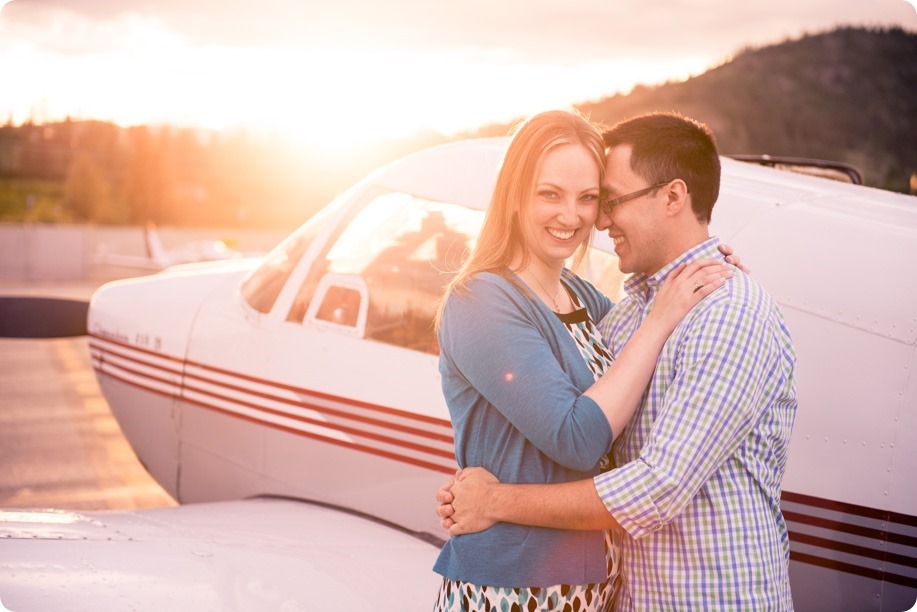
514, 379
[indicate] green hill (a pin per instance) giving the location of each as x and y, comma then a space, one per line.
847, 95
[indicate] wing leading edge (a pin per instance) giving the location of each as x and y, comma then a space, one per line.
258, 554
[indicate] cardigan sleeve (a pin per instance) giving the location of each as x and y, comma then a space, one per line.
492, 341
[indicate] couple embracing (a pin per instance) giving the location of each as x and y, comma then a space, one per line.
615, 456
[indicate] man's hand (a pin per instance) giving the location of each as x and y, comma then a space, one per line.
464, 501
444, 501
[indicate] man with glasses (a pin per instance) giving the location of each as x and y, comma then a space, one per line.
697, 487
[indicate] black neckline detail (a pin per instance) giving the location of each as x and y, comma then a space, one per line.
577, 316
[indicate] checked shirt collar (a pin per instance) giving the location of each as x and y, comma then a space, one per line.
643, 288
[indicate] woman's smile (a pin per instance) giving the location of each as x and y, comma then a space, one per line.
564, 235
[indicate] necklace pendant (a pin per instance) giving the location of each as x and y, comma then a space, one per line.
553, 298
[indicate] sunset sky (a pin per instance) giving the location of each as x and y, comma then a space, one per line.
344, 70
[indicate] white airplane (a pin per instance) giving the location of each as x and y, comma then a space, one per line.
158, 257
311, 376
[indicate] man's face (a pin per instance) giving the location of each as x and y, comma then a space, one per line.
636, 226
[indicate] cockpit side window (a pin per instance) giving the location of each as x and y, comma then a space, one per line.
262, 286
406, 249
340, 306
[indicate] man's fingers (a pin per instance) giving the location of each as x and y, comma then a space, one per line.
444, 496
444, 510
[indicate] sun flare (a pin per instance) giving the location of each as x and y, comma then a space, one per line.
329, 98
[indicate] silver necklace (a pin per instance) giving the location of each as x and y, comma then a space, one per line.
552, 298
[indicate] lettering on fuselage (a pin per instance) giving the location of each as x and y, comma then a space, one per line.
98, 330
148, 341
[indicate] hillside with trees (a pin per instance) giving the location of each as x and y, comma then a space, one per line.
848, 95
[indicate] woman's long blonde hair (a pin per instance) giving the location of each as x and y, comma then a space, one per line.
500, 241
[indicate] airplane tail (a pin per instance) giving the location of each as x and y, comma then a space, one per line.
154, 249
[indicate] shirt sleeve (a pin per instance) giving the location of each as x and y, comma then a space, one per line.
723, 367
492, 342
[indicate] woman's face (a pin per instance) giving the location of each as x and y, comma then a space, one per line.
564, 204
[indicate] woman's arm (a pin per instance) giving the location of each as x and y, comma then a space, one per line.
490, 344
493, 346
619, 391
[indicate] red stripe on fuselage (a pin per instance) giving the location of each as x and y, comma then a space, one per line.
317, 394
179, 391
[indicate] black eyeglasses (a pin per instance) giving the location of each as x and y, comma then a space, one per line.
607, 205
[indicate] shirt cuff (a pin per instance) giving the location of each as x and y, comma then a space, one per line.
628, 499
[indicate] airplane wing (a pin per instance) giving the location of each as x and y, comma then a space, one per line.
127, 261
256, 554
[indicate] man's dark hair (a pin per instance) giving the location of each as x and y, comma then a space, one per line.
668, 146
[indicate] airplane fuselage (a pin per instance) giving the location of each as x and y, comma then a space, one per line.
313, 373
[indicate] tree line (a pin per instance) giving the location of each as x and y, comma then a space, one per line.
77, 171
847, 95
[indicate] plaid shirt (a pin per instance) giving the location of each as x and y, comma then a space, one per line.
702, 459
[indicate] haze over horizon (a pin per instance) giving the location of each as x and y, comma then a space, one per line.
340, 72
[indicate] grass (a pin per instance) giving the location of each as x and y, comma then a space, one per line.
32, 201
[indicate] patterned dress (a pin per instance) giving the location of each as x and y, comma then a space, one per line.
459, 596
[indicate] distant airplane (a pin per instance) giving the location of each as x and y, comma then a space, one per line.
158, 257
312, 375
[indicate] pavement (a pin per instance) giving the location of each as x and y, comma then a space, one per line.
60, 446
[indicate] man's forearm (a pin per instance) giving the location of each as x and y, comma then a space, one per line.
571, 505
